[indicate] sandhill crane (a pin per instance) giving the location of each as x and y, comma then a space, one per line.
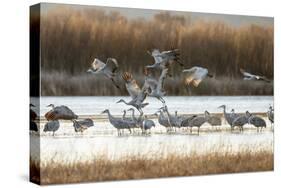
195, 75
240, 121
155, 87
180, 118
249, 76
270, 114
212, 119
138, 95
163, 59
229, 117
173, 120
186, 121
107, 69
163, 119
60, 112
257, 121
52, 126
32, 125
124, 115
147, 124
138, 121
117, 123
81, 126
197, 121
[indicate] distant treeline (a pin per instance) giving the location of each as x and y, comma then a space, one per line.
72, 38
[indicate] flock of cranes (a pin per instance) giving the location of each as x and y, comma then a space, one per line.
153, 86
171, 122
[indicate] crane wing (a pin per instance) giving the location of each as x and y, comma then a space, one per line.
157, 56
111, 65
97, 64
131, 85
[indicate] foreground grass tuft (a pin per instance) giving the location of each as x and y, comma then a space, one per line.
103, 169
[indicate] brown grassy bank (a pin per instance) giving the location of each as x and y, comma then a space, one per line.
172, 165
61, 84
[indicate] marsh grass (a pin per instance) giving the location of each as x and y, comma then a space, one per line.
72, 38
139, 167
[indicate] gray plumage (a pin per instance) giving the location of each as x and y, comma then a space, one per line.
257, 121
163, 59
197, 122
173, 120
107, 69
212, 119
240, 121
270, 114
52, 126
229, 117
186, 121
155, 86
82, 125
138, 95
147, 124
163, 119
117, 123
138, 121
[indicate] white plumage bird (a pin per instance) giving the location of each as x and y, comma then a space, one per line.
195, 75
107, 69
249, 76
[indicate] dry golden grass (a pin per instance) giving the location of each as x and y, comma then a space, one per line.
103, 169
72, 38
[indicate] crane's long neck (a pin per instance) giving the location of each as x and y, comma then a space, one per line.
224, 111
168, 113
124, 102
109, 115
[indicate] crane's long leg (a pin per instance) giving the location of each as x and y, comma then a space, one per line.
162, 100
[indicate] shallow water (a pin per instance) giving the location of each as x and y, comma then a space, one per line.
102, 140
183, 104
85, 147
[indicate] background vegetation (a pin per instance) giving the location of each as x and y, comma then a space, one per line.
72, 38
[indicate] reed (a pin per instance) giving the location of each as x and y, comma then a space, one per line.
171, 165
71, 39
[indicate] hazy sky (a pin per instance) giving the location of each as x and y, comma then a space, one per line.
131, 13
